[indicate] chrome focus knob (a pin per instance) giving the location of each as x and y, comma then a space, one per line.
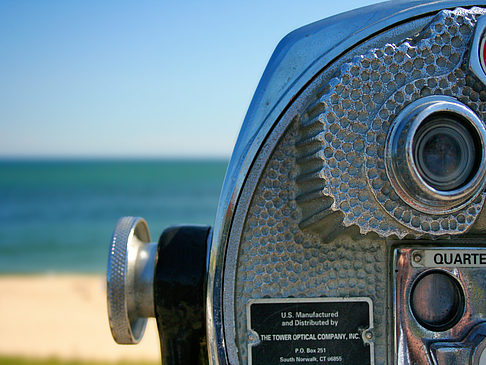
130, 277
165, 280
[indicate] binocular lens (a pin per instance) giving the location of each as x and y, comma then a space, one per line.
445, 152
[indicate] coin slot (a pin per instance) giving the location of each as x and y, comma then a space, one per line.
437, 301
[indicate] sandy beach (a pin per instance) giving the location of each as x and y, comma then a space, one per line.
63, 316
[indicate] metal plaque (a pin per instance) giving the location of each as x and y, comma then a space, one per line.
450, 257
317, 330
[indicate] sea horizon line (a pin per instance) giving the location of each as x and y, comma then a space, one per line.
74, 159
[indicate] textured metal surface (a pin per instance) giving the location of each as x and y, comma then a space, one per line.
230, 265
277, 259
343, 133
269, 114
124, 328
295, 240
297, 59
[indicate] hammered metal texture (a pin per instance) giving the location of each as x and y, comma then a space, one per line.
342, 134
116, 289
276, 259
323, 208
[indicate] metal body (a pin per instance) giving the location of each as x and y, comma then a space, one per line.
297, 64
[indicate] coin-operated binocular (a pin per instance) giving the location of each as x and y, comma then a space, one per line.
351, 227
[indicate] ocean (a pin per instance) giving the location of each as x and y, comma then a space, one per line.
58, 216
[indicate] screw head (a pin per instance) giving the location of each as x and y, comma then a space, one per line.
368, 335
417, 257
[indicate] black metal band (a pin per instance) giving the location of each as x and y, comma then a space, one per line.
179, 293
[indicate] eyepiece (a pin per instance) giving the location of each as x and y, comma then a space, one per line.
446, 151
435, 156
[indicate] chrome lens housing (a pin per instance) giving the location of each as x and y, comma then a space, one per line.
435, 157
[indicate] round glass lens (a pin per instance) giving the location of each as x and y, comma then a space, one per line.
445, 153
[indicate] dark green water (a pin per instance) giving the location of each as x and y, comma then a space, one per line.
58, 216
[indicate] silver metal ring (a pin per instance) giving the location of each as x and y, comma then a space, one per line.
479, 354
477, 55
401, 166
131, 266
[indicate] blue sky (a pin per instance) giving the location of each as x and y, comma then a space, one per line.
137, 78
